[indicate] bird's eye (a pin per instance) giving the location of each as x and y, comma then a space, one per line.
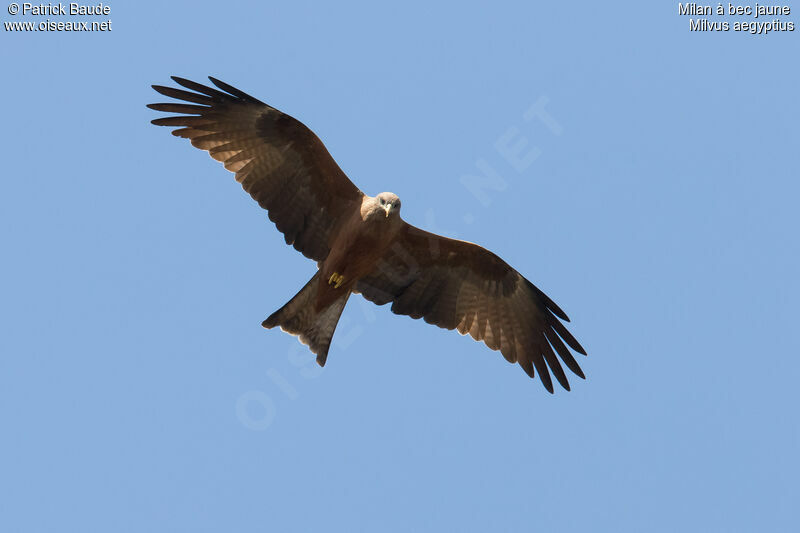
383, 201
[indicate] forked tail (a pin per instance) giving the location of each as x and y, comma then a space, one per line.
313, 328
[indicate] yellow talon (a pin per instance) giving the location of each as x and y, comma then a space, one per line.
336, 280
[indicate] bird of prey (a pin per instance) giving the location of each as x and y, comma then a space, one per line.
360, 243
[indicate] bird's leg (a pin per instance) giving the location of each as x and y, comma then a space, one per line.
336, 280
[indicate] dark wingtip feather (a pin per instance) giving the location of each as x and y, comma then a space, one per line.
527, 366
552, 362
544, 379
160, 89
173, 107
578, 348
556, 342
165, 121
199, 87
578, 371
544, 375
565, 334
234, 91
187, 96
550, 304
183, 120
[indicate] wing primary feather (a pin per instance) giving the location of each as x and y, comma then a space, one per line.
180, 94
541, 367
180, 108
562, 350
548, 302
566, 335
552, 362
526, 365
199, 87
184, 120
186, 133
234, 91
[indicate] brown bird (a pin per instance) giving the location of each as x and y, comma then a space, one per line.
360, 243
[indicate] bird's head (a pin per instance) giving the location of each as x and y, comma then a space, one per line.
389, 203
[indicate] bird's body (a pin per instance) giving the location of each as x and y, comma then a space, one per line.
360, 242
354, 254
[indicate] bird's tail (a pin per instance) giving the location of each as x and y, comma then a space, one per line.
300, 318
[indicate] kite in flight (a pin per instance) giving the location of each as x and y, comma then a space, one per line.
360, 243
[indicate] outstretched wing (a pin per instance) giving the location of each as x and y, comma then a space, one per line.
459, 285
277, 159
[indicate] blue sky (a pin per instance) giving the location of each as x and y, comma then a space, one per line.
657, 206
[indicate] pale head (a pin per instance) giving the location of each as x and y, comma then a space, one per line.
389, 202
386, 205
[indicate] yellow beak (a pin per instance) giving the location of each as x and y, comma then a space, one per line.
387, 208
